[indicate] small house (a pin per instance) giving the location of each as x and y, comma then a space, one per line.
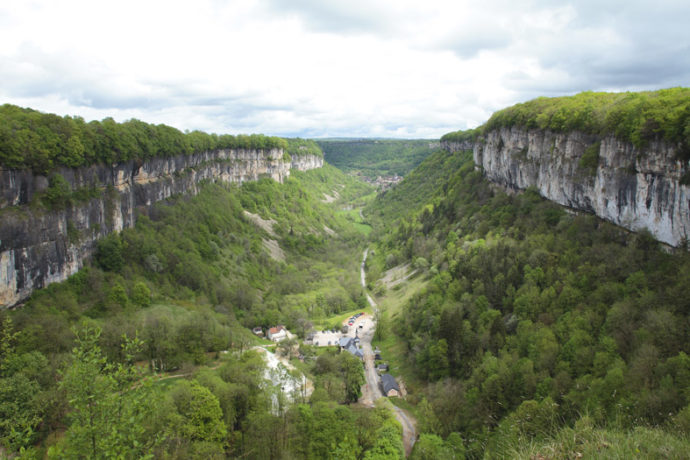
389, 386
278, 333
344, 342
353, 350
382, 368
258, 331
350, 345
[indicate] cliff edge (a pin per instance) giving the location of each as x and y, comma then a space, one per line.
634, 187
39, 246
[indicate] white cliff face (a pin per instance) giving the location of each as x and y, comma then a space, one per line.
35, 246
453, 146
306, 162
631, 187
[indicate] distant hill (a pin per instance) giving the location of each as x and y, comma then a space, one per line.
377, 157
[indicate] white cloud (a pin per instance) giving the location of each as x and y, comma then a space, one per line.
343, 67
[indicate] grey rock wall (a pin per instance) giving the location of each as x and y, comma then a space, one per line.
39, 247
457, 146
635, 188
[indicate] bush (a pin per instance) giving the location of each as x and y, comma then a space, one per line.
58, 193
109, 253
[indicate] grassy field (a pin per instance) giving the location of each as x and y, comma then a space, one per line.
353, 216
328, 323
392, 301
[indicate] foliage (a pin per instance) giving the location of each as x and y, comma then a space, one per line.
188, 279
109, 253
20, 391
300, 147
109, 408
376, 157
341, 375
634, 117
41, 142
532, 316
58, 193
590, 159
469, 135
586, 440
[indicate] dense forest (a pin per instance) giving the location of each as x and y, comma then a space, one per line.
38, 141
637, 117
81, 364
373, 158
538, 331
462, 135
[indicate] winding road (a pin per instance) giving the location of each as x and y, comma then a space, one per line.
371, 390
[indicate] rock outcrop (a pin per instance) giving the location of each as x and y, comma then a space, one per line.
39, 247
633, 187
454, 146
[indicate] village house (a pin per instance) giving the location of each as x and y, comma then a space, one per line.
389, 386
278, 333
350, 345
258, 331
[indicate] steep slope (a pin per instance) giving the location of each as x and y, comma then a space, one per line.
636, 188
373, 158
52, 218
186, 284
624, 157
531, 316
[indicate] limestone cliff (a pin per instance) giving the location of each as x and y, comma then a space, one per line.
38, 247
455, 146
633, 187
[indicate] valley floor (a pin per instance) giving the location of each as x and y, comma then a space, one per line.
371, 390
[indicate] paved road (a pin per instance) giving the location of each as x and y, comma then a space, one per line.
371, 390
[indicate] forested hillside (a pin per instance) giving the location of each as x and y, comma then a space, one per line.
539, 333
175, 297
374, 158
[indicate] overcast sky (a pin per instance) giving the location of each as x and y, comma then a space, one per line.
324, 68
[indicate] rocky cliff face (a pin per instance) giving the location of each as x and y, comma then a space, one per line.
306, 162
631, 187
452, 146
38, 247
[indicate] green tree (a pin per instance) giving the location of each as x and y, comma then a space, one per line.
58, 193
141, 294
108, 408
353, 374
109, 253
201, 412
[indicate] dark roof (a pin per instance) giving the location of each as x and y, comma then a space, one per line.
388, 383
354, 350
345, 342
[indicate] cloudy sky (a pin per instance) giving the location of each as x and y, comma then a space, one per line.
324, 68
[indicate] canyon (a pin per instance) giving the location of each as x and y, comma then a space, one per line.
41, 245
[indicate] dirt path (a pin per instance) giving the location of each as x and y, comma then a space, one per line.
409, 430
371, 390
